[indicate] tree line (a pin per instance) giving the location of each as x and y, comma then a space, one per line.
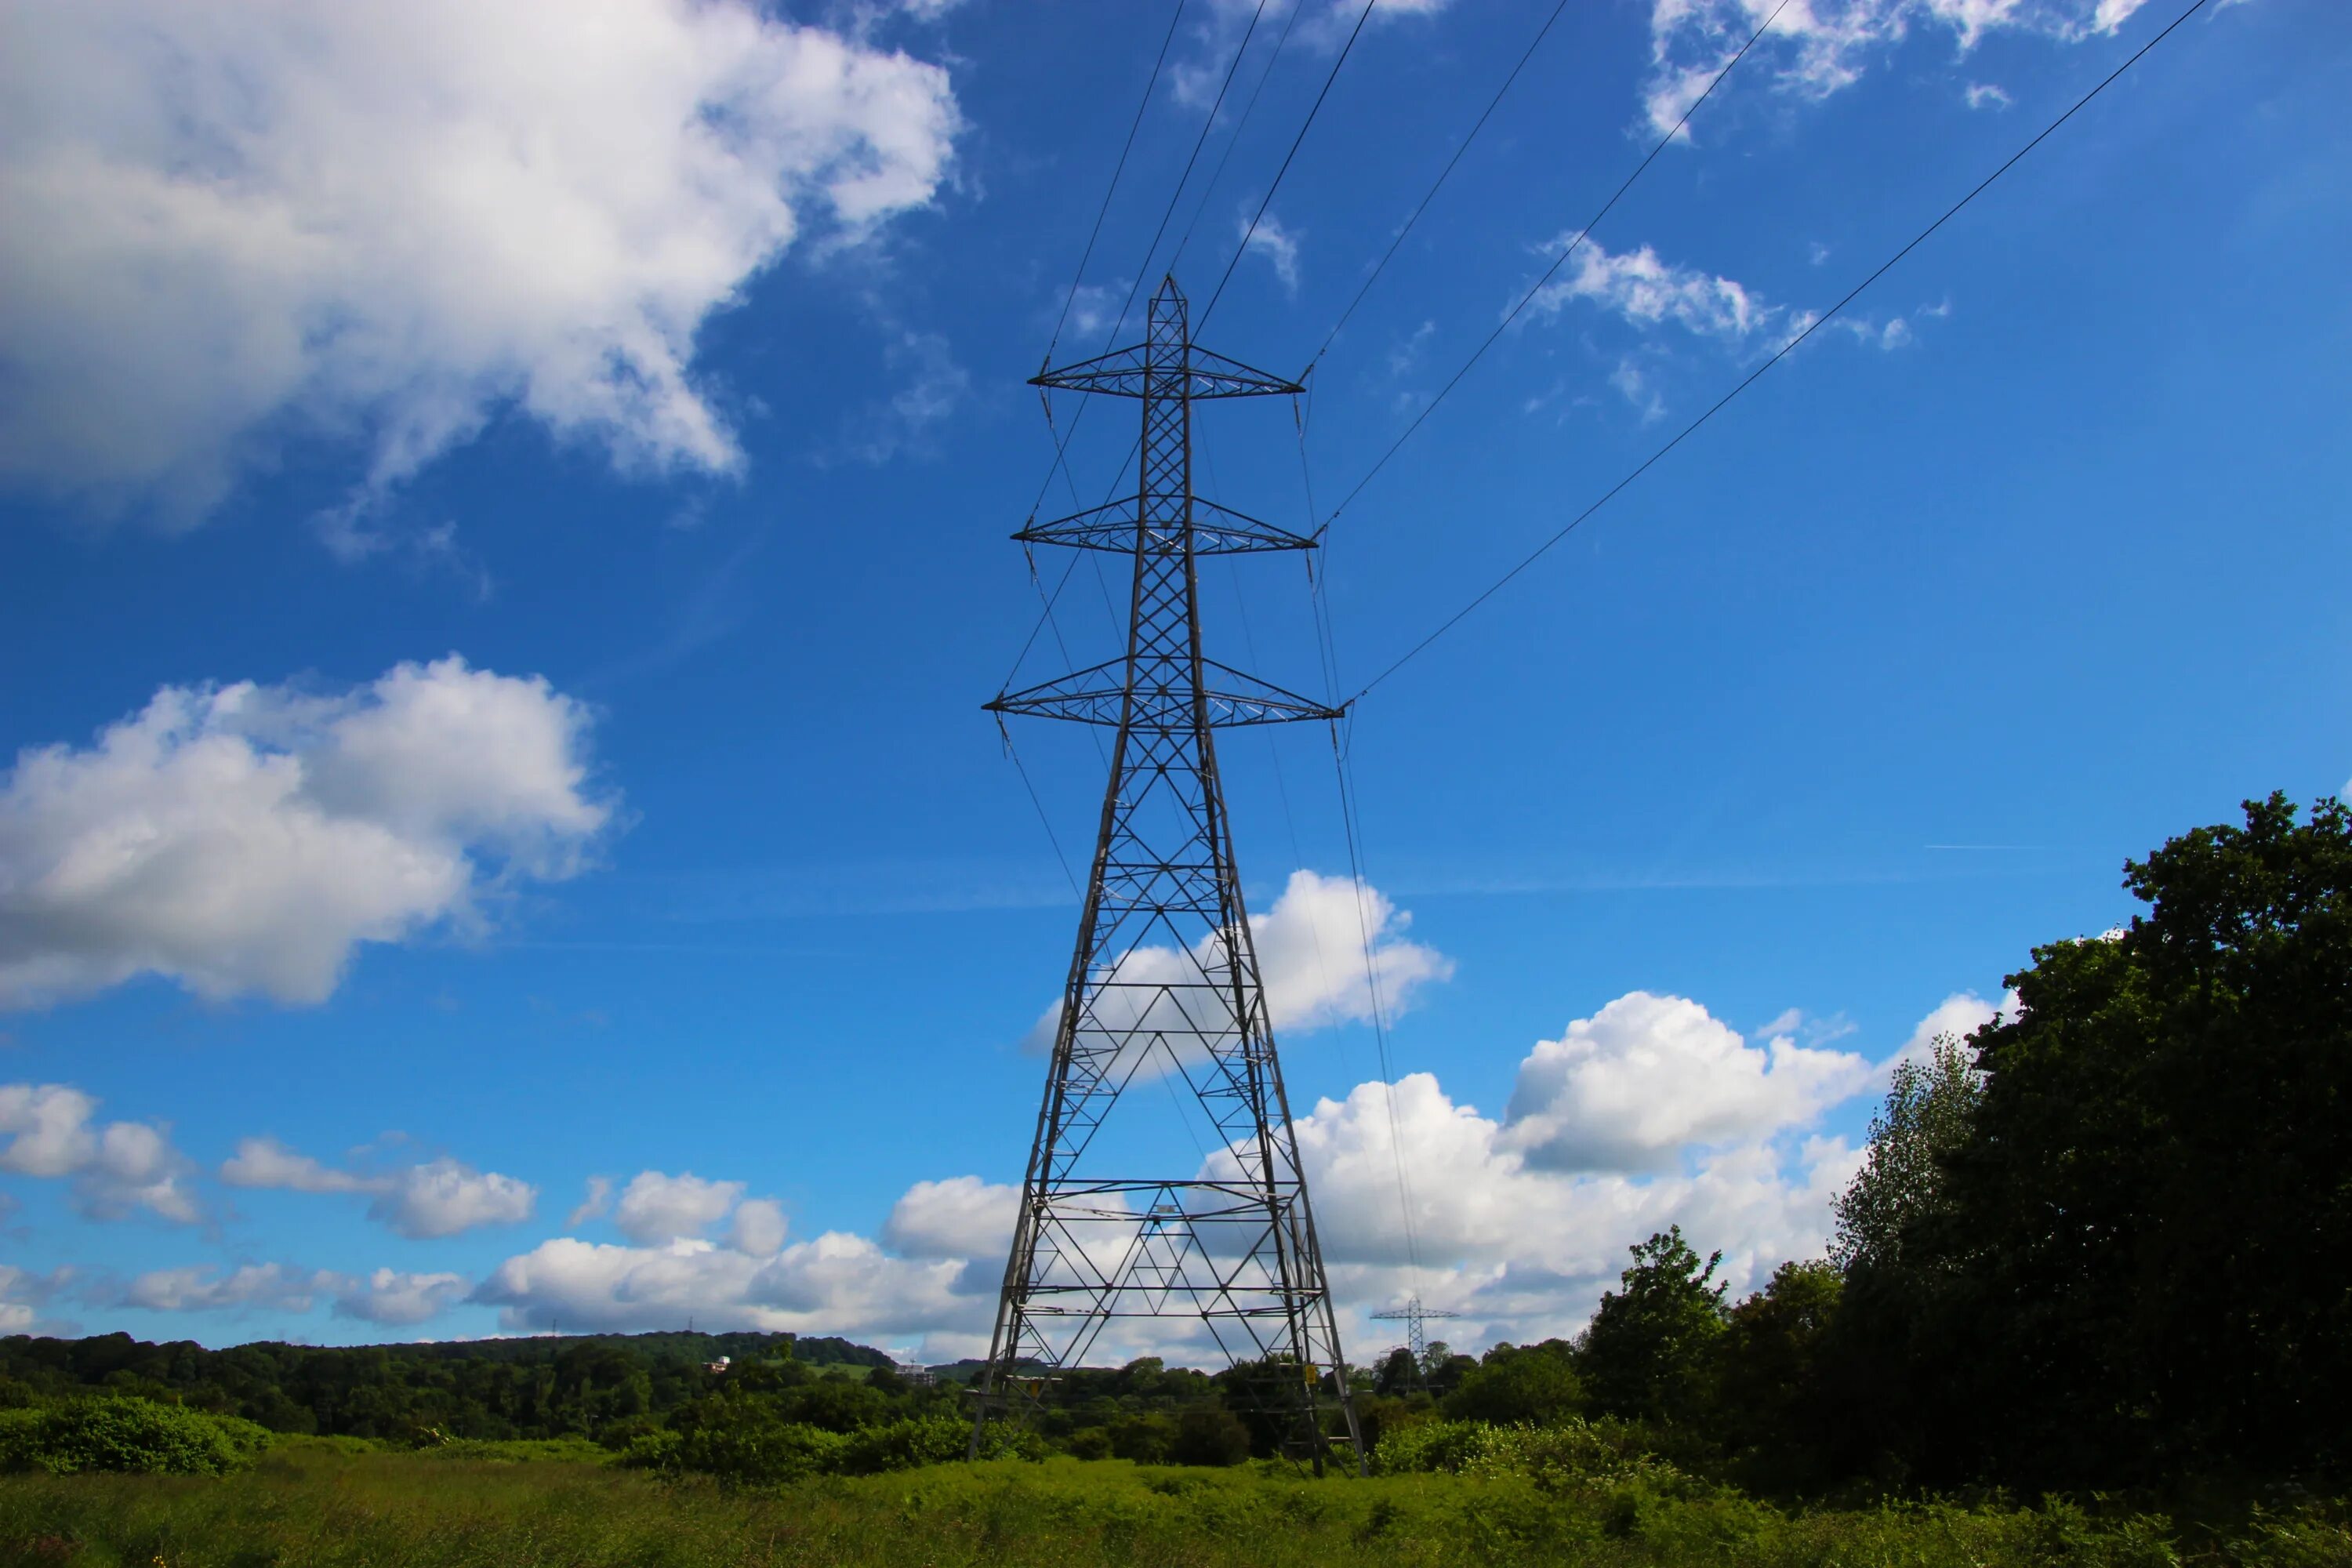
2105, 1242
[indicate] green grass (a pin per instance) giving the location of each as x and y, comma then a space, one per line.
327, 1505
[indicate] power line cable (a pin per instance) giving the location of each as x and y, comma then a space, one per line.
1782, 352
1241, 127
1062, 444
1442, 175
1558, 262
1120, 168
1312, 110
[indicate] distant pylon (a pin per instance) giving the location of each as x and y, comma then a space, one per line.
1414, 1315
1164, 981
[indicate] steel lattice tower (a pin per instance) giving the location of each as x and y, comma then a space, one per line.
1164, 981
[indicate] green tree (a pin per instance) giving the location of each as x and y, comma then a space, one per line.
1770, 1401
1929, 1111
1646, 1352
1535, 1383
2136, 1268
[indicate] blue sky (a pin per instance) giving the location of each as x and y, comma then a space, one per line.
505, 546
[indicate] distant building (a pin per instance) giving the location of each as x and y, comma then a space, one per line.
917, 1376
717, 1367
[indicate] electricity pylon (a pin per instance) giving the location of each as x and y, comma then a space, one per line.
1414, 1315
1164, 982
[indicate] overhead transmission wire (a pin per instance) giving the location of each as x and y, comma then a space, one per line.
1558, 262
1306, 125
1112, 189
1442, 175
1241, 128
1782, 352
1326, 646
1061, 438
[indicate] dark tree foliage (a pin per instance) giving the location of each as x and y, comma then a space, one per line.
541, 1387
2138, 1267
1646, 1354
1771, 1408
1513, 1384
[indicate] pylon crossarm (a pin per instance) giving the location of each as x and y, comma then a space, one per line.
1216, 531
1100, 694
1191, 374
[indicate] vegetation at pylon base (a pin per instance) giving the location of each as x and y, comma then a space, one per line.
118, 1434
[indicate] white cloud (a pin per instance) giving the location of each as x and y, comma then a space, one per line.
1311, 949
759, 1227
1509, 1234
1523, 1251
1646, 291
1278, 245
835, 1284
594, 1205
384, 221
203, 1287
265, 1163
444, 1197
657, 1208
961, 1216
1960, 1014
387, 1296
115, 1168
1648, 1078
23, 1294
1981, 94
429, 1199
1818, 47
246, 839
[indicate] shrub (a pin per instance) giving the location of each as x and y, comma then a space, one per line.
1210, 1437
124, 1433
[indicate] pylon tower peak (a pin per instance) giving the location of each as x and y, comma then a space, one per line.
1164, 982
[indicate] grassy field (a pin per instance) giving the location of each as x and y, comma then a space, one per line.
338, 1504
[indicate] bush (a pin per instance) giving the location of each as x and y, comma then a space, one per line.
903, 1445
123, 1433
1210, 1437
1515, 1385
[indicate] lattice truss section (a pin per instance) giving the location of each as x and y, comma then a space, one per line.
1164, 982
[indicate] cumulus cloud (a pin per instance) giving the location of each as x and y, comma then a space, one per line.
1646, 1078
1521, 1220
961, 1216
1960, 1014
656, 1208
835, 1284
384, 222
246, 839
759, 1227
1521, 1250
1322, 948
1822, 47
426, 1200
203, 1287
390, 1297
116, 1169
